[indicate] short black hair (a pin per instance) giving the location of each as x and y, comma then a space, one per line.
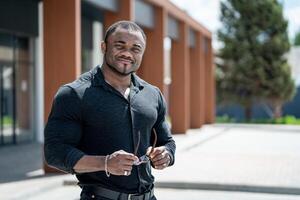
128, 25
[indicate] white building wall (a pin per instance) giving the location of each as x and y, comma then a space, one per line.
39, 80
294, 61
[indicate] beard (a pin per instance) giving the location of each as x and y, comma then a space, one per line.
115, 69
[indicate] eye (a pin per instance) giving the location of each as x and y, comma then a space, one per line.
118, 46
136, 50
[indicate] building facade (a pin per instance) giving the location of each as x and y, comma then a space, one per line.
47, 43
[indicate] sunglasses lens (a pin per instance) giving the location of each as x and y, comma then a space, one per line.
142, 159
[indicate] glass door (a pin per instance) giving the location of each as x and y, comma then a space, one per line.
15, 90
7, 133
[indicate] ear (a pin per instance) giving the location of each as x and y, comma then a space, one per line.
103, 47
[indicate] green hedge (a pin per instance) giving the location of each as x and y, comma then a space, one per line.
289, 119
7, 120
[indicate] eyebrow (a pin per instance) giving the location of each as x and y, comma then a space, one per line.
123, 42
120, 41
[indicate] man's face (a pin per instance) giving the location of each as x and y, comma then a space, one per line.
124, 51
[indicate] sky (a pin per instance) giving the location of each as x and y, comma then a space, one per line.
207, 13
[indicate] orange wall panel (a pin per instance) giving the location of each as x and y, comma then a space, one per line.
210, 84
196, 82
62, 43
125, 12
180, 89
152, 67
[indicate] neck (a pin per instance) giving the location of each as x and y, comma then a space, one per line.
114, 79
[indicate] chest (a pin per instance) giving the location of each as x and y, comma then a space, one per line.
107, 109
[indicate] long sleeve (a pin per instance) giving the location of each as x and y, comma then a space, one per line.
63, 131
164, 136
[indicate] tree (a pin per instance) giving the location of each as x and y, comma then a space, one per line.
297, 39
255, 40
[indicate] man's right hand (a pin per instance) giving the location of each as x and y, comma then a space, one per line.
120, 163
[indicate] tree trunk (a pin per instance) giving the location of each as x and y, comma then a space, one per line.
277, 111
248, 112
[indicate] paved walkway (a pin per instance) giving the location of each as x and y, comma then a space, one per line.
20, 162
244, 158
258, 158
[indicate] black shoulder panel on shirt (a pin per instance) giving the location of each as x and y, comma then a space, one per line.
82, 83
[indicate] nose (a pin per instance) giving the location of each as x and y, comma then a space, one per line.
126, 54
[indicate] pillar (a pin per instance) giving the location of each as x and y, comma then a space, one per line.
62, 44
152, 67
179, 89
210, 83
197, 83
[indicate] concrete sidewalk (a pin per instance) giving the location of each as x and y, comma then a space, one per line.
252, 158
237, 158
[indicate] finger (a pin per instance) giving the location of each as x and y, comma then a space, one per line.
132, 158
127, 156
119, 163
148, 150
160, 155
127, 161
161, 161
156, 152
164, 161
122, 152
157, 157
127, 167
161, 166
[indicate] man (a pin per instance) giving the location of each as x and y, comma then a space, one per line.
103, 125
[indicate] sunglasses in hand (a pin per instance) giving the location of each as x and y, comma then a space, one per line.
144, 158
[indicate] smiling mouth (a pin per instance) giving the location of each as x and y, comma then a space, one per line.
126, 61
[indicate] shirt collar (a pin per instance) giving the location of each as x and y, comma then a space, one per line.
137, 81
98, 79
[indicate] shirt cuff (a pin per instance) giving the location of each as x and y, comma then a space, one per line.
72, 158
171, 157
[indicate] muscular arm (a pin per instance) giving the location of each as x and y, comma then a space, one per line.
90, 164
63, 133
117, 163
164, 154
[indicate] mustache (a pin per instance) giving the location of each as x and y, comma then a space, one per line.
126, 58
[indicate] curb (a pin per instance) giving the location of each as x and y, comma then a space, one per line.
218, 187
229, 187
